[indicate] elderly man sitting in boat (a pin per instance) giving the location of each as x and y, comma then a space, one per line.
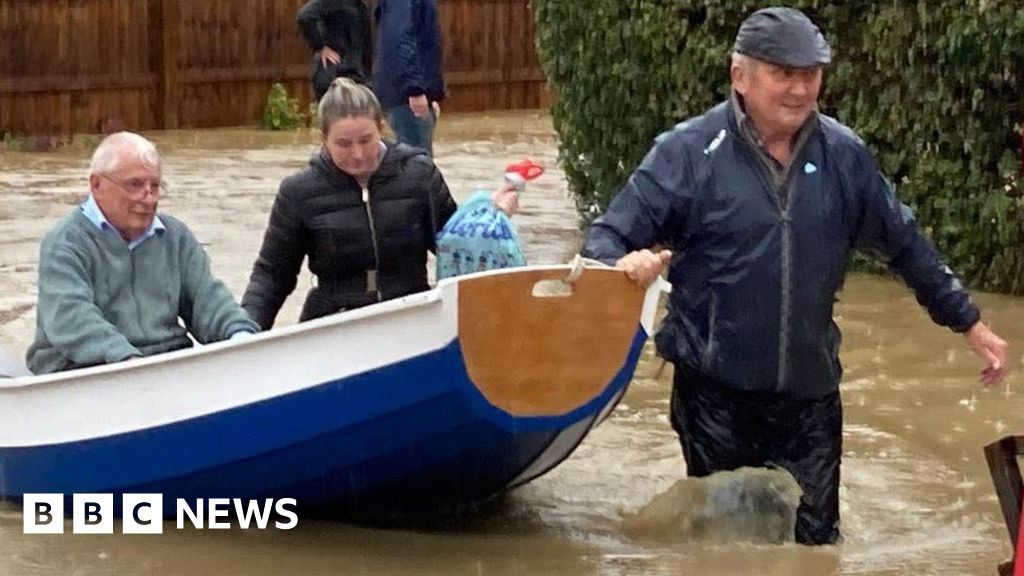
115, 277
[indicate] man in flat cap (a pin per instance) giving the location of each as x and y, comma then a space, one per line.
757, 204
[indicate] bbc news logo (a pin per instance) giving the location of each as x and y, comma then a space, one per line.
144, 513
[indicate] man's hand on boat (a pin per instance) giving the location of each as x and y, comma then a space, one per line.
990, 348
643, 266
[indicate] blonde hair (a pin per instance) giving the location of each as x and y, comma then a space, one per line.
112, 149
347, 98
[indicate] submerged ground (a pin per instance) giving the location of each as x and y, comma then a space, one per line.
916, 497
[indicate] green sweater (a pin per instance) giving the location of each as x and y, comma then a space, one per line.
100, 302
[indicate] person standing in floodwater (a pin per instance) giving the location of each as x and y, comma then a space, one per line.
761, 199
408, 73
338, 32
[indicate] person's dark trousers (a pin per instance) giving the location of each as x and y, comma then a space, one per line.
417, 132
721, 428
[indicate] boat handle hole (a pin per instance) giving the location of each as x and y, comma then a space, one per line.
552, 289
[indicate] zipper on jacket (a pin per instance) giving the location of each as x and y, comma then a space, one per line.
785, 311
787, 275
786, 253
372, 280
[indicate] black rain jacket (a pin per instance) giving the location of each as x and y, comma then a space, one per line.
755, 277
344, 26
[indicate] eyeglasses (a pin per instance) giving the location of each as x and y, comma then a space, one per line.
137, 188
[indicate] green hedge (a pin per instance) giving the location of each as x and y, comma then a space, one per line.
935, 88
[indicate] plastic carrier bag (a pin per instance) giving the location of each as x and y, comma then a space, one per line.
481, 237
477, 237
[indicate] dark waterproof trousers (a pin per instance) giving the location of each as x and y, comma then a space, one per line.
723, 429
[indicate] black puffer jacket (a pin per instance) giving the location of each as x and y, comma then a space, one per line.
361, 252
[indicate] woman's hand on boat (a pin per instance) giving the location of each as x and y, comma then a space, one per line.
643, 266
506, 199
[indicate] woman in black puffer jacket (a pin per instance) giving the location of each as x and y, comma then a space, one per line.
365, 212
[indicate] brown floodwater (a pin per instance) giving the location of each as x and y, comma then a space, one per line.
916, 497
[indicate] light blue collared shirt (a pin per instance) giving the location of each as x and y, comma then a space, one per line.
92, 211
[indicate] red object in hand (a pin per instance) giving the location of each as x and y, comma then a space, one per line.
526, 168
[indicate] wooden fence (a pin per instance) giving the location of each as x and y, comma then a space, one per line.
83, 66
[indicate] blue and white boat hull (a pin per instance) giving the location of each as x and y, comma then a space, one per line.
378, 408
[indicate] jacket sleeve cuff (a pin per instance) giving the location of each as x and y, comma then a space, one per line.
972, 318
250, 327
602, 251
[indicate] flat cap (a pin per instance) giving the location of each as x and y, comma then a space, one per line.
783, 36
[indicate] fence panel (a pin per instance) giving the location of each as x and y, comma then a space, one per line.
75, 65
99, 65
231, 52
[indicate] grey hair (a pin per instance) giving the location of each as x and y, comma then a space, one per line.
347, 98
743, 61
113, 148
